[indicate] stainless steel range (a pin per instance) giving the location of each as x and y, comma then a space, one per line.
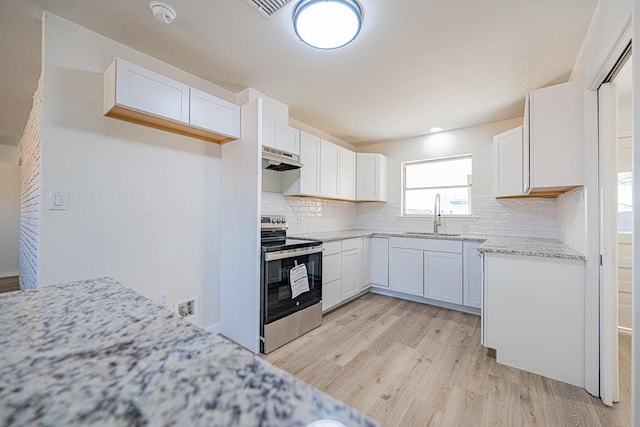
291, 284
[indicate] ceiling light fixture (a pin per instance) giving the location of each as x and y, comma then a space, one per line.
327, 24
435, 129
163, 12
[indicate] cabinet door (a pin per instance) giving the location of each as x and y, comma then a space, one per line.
287, 138
443, 276
367, 257
347, 174
150, 92
471, 275
556, 116
508, 163
406, 271
212, 113
331, 267
331, 294
380, 261
269, 133
310, 159
366, 179
328, 170
351, 266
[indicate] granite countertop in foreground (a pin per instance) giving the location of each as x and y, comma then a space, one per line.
98, 353
526, 246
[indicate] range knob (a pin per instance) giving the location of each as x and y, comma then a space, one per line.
284, 220
273, 220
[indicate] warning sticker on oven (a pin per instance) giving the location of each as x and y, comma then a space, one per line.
299, 280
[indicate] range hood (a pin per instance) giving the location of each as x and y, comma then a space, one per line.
279, 160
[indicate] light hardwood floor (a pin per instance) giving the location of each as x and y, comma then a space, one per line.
409, 364
9, 284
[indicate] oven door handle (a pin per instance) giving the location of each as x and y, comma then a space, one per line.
274, 256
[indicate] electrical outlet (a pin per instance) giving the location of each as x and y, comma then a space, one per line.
163, 298
186, 308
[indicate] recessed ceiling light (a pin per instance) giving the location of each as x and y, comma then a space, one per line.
327, 24
163, 12
435, 129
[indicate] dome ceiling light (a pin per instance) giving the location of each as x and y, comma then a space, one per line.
162, 12
327, 24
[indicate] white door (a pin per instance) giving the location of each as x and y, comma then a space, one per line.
212, 113
507, 163
380, 261
287, 138
310, 159
366, 176
471, 275
328, 170
347, 174
443, 276
351, 265
367, 257
406, 271
607, 142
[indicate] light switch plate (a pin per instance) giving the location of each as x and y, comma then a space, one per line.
58, 200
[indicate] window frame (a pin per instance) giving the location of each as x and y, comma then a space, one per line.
403, 189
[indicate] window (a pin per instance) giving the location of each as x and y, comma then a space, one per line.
422, 180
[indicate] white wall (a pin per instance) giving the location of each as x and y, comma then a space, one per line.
9, 210
144, 204
518, 217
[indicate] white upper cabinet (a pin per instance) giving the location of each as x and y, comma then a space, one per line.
142, 96
371, 177
554, 141
269, 133
287, 138
212, 113
280, 136
507, 163
346, 174
148, 92
306, 180
329, 155
545, 156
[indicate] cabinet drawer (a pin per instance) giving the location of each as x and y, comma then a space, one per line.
331, 294
331, 248
436, 245
349, 244
331, 267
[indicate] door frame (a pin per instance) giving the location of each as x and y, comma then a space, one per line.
607, 173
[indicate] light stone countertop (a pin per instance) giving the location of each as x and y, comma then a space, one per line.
526, 246
98, 353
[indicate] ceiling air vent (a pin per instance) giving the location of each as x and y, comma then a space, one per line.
268, 8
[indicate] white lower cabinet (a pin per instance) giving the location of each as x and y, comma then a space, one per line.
443, 276
533, 314
406, 272
380, 261
471, 275
367, 259
351, 269
341, 271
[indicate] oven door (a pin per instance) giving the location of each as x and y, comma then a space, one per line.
276, 299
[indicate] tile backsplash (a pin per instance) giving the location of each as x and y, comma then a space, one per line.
512, 217
571, 219
507, 217
309, 215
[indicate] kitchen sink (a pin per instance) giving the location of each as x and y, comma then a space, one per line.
424, 233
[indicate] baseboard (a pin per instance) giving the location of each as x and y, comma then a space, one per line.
414, 298
214, 329
8, 274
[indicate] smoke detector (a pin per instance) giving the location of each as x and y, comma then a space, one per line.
162, 12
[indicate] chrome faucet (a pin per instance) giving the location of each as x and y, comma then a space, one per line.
437, 220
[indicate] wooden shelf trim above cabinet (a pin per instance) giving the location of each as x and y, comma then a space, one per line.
116, 87
543, 192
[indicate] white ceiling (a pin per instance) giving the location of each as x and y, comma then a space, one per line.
416, 63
